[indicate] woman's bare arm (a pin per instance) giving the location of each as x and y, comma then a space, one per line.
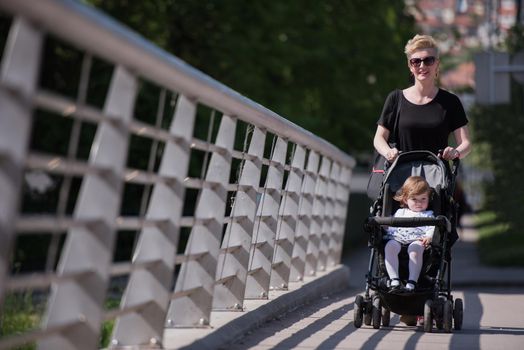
381, 145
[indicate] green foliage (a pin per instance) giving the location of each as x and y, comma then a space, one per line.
515, 40
499, 144
105, 333
20, 314
107, 326
327, 66
499, 130
148, 18
500, 243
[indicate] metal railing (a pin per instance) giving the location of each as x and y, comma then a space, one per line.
233, 200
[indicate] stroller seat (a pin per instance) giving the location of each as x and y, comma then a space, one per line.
431, 254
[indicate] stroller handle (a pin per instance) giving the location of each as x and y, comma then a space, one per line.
440, 221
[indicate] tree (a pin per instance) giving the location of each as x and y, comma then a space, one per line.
327, 66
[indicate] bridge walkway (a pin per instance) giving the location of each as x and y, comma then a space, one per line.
493, 315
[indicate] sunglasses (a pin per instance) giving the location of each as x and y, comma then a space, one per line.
428, 61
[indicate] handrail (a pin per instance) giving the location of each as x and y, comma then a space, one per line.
101, 35
279, 220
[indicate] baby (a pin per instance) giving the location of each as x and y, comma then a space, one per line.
414, 199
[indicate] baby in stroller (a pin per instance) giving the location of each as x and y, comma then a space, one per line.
418, 237
414, 198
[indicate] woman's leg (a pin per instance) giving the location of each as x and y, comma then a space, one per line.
416, 253
391, 251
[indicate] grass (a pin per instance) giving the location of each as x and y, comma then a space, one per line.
500, 244
107, 326
21, 314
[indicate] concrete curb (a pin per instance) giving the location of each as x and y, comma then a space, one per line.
328, 283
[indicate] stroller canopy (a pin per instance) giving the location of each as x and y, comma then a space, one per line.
417, 163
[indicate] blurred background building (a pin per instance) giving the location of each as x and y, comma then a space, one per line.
465, 23
463, 27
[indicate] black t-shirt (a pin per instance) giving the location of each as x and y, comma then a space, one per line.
423, 127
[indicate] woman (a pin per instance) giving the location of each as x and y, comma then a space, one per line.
426, 114
422, 116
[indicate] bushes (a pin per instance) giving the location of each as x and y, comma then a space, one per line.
501, 127
21, 313
24, 311
499, 243
499, 146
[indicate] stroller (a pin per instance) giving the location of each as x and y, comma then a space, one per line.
432, 297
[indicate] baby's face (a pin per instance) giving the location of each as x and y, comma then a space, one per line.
419, 202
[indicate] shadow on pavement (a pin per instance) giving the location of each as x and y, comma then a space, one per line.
372, 342
294, 317
338, 337
473, 311
318, 325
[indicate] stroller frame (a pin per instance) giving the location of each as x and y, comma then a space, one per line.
434, 300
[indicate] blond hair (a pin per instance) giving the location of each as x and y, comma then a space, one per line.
413, 186
421, 42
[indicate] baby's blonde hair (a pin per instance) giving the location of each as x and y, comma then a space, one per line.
413, 186
420, 42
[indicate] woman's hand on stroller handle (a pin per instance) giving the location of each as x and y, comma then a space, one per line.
449, 153
392, 154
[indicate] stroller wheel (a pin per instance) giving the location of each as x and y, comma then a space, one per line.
458, 314
439, 312
428, 316
386, 317
447, 316
376, 312
358, 310
368, 313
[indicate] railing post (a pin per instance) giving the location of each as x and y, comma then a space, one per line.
88, 250
298, 259
263, 243
234, 257
151, 285
18, 79
322, 215
315, 256
341, 209
331, 219
192, 300
287, 222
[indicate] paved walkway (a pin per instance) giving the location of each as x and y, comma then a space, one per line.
329, 317
493, 319
493, 316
